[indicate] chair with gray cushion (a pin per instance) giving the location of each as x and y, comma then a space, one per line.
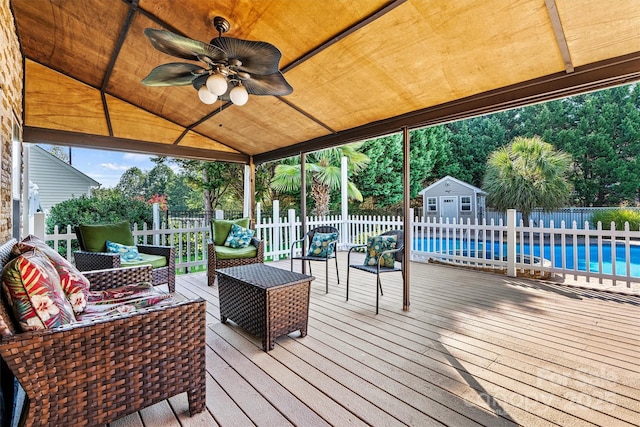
93, 254
325, 257
377, 269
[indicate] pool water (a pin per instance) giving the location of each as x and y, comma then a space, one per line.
468, 248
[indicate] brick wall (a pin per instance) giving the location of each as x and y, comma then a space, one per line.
11, 78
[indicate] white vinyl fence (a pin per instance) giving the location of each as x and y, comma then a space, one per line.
575, 250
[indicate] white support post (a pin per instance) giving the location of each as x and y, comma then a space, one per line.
344, 229
219, 214
258, 221
511, 242
275, 244
156, 223
39, 225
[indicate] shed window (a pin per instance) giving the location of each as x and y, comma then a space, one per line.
432, 204
465, 203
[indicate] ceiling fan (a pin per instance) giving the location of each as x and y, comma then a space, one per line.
230, 69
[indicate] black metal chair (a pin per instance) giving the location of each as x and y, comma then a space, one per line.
305, 257
377, 269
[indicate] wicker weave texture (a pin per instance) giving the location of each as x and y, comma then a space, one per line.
86, 261
214, 264
266, 301
93, 372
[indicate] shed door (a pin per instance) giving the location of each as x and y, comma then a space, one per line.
449, 208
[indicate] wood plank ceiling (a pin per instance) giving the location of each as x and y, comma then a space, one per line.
359, 68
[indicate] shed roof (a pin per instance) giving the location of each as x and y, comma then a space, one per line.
450, 178
359, 68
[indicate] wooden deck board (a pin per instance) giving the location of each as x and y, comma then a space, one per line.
476, 348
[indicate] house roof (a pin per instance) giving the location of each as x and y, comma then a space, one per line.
450, 178
359, 69
63, 165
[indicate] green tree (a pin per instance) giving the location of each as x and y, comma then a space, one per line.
325, 172
158, 180
430, 159
527, 174
133, 183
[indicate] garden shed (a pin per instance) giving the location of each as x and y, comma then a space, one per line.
453, 199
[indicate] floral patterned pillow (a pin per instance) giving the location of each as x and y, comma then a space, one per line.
378, 244
239, 237
127, 253
123, 299
32, 288
74, 284
320, 246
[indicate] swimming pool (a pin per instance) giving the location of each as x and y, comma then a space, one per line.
466, 247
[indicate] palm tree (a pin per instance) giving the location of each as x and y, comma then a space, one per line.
526, 174
324, 168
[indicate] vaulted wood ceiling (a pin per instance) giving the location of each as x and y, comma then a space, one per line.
359, 68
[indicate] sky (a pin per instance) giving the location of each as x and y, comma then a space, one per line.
104, 166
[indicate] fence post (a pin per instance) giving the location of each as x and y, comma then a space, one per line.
511, 242
292, 226
410, 245
219, 214
275, 244
38, 225
344, 229
156, 223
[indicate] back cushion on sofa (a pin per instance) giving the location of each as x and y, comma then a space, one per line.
74, 284
32, 289
220, 228
94, 237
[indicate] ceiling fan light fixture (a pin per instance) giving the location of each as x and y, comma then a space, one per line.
217, 84
205, 96
239, 95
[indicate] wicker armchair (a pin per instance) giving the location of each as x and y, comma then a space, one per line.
88, 261
93, 372
214, 262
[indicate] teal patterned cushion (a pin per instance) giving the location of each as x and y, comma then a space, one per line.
239, 237
378, 244
320, 246
127, 253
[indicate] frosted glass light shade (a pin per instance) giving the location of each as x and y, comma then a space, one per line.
217, 84
239, 95
205, 96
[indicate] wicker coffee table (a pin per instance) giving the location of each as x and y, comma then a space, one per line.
268, 302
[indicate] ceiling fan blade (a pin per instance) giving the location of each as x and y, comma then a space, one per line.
256, 57
272, 84
173, 74
182, 47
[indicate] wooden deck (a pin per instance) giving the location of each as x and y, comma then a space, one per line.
475, 349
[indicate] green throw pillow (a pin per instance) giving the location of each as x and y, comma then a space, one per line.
377, 245
320, 246
220, 228
94, 237
239, 237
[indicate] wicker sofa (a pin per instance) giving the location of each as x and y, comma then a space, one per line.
91, 373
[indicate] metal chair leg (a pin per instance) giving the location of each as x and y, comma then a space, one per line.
326, 275
337, 272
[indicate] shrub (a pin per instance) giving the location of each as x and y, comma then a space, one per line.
93, 210
619, 217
